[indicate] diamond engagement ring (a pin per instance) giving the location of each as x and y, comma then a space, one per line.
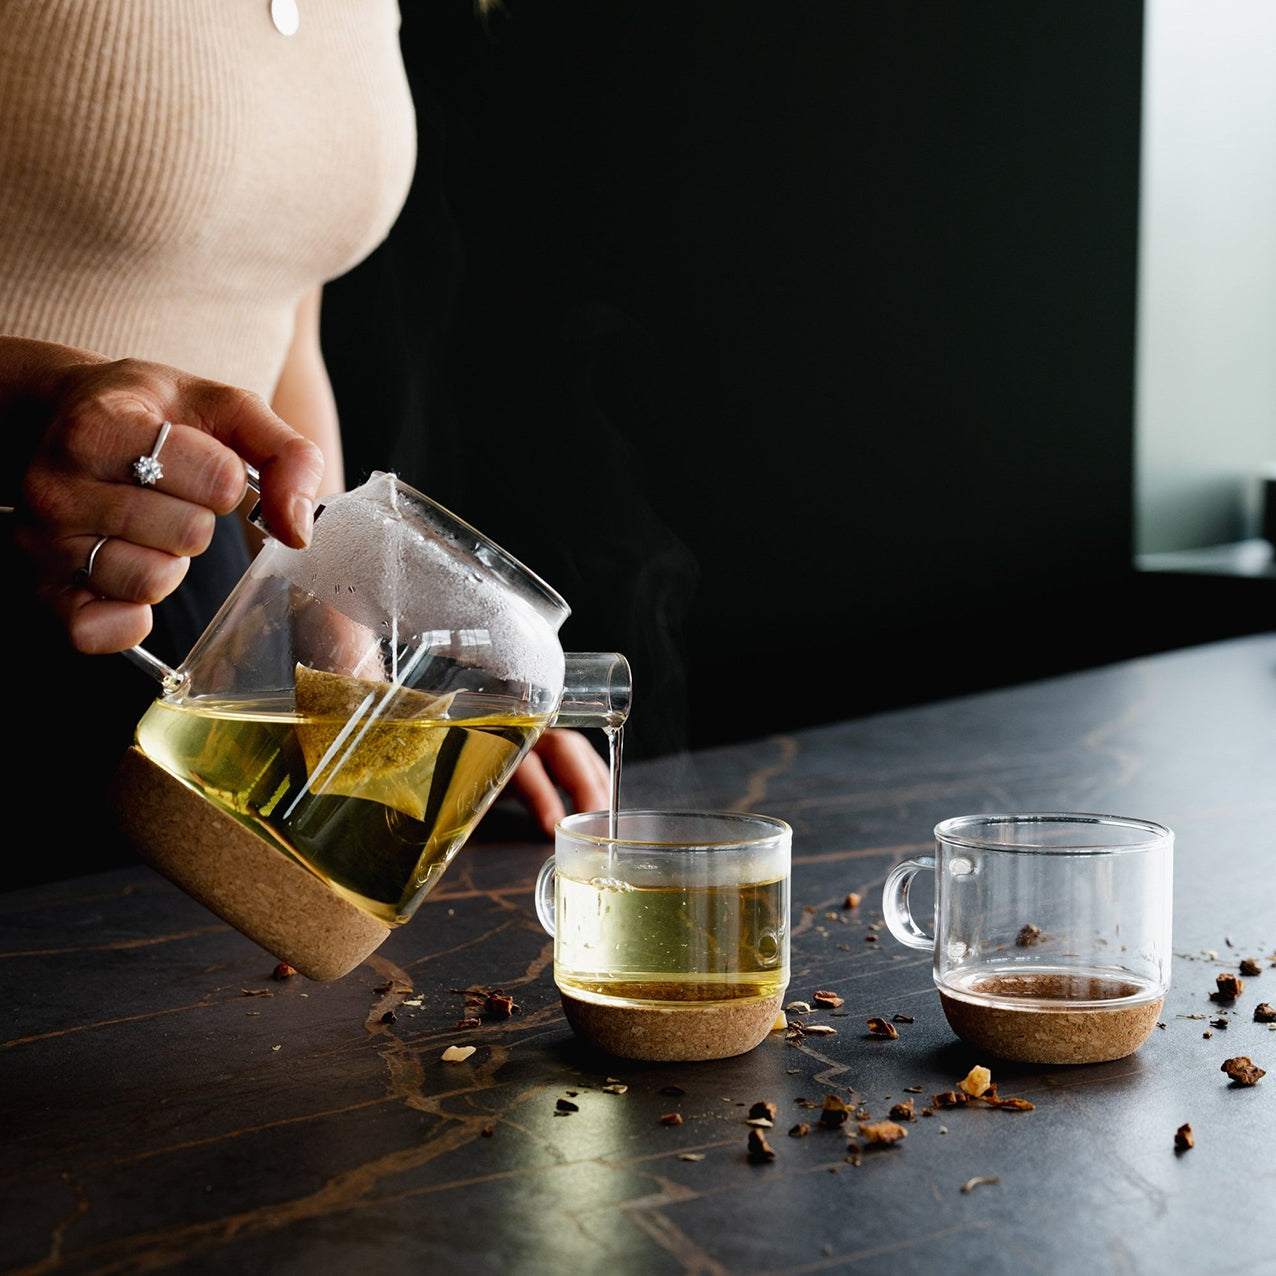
147, 469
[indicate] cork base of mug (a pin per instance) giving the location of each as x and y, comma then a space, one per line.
672, 1034
239, 876
1052, 1036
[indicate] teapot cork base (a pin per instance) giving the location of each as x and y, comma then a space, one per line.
238, 875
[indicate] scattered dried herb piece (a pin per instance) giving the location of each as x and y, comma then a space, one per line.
818, 1030
691, 1156
898, 1018
993, 1100
799, 1131
566, 1105
671, 1118
487, 1131
1264, 1013
798, 1008
904, 1111
980, 1180
1250, 966
469, 1022
674, 1090
1029, 935
615, 1087
879, 1027
1184, 1138
763, 1109
257, 992
1229, 987
949, 1099
976, 1081
1243, 1070
1218, 1023
500, 1005
870, 939
882, 1131
830, 1000
457, 1054
852, 900
760, 1151
283, 971
389, 1017
833, 1112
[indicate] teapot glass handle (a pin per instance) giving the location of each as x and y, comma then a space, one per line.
169, 678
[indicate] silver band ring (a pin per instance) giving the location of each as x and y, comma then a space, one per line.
147, 469
84, 574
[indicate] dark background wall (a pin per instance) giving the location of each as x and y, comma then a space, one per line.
792, 342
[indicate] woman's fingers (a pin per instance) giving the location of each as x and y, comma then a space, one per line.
561, 759
97, 626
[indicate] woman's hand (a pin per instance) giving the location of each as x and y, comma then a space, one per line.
567, 759
95, 417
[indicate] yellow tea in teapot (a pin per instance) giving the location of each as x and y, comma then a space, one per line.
373, 789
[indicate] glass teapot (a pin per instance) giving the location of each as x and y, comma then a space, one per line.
327, 746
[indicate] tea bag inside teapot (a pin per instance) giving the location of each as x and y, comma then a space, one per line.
369, 739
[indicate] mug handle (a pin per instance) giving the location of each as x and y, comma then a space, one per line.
895, 906
545, 895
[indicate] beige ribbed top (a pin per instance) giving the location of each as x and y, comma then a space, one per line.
176, 174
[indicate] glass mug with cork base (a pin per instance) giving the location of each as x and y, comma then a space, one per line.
671, 929
1051, 933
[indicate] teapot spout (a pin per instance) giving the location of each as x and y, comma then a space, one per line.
596, 690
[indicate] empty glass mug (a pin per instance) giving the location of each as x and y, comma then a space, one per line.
1051, 933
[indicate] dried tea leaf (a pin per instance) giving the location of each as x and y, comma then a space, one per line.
1229, 987
834, 1111
830, 1000
1264, 1013
1250, 966
1029, 936
882, 1131
1243, 1070
760, 1151
388, 757
1184, 1138
799, 1131
691, 1156
764, 1110
852, 900
615, 1087
671, 1118
798, 1008
904, 1111
883, 1028
457, 1054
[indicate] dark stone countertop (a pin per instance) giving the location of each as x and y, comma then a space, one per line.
166, 1105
